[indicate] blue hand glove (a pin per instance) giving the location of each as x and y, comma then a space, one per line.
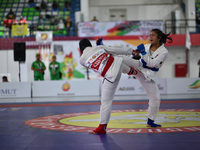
141, 49
100, 41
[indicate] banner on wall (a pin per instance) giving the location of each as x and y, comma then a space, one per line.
19, 30
119, 28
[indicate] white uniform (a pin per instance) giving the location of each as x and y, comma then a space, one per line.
147, 76
97, 58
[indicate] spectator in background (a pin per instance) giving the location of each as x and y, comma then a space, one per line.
43, 6
13, 21
95, 19
38, 67
53, 20
10, 15
197, 22
54, 68
7, 26
68, 25
55, 6
22, 21
60, 25
41, 20
67, 6
31, 3
4, 79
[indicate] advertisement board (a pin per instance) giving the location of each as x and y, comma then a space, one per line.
118, 28
183, 85
66, 88
133, 87
15, 89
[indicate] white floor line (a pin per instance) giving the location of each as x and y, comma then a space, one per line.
96, 98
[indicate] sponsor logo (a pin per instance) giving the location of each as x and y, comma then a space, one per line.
126, 89
8, 92
20, 29
66, 87
195, 85
44, 36
123, 121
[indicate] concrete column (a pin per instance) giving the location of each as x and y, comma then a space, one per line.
85, 10
190, 13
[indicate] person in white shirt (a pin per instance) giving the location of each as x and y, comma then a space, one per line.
153, 57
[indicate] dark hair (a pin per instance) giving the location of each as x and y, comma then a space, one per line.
163, 37
4, 77
83, 44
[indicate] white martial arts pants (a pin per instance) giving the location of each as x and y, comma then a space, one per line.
150, 88
107, 95
153, 95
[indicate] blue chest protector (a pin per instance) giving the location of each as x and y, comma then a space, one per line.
145, 66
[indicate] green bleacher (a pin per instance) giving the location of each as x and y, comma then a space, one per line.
20, 8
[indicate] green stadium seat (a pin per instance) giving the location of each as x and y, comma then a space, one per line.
25, 9
30, 13
61, 4
24, 14
37, 13
31, 9
64, 32
30, 18
61, 13
1, 14
9, 5
67, 12
2, 9
40, 27
10, 1
3, 6
2, 30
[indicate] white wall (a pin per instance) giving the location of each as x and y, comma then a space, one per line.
176, 56
136, 10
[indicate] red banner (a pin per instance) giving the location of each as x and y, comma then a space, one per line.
178, 40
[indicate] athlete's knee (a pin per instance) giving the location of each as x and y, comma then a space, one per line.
154, 102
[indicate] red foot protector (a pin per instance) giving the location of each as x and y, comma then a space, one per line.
101, 129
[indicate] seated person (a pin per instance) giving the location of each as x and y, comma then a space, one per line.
68, 25
67, 6
60, 25
4, 79
95, 19
43, 6
7, 26
10, 15
31, 3
53, 20
55, 6
22, 21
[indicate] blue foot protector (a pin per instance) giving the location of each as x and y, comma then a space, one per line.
150, 123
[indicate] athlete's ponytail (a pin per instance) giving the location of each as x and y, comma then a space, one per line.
163, 37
